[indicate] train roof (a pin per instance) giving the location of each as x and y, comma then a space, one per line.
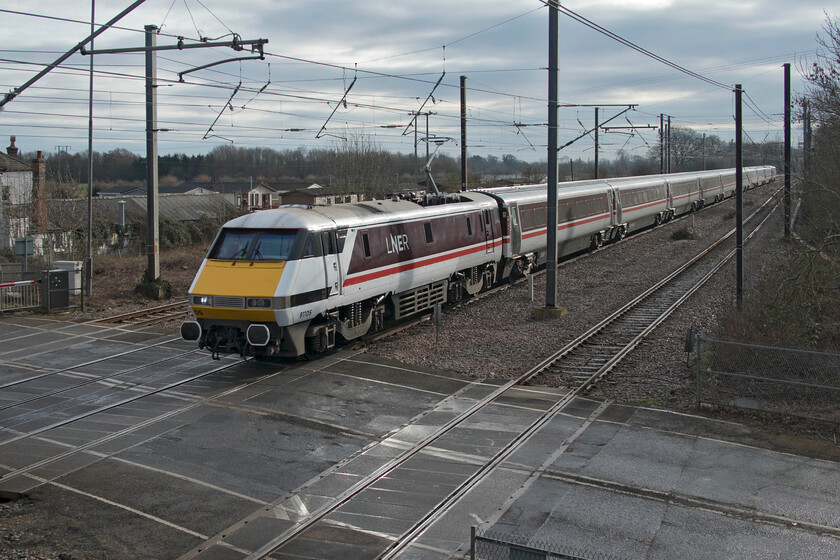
530, 193
637, 182
359, 214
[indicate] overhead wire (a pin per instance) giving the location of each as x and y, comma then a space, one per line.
754, 106
626, 42
471, 35
215, 16
318, 97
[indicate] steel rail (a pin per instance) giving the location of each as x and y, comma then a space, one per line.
144, 313
97, 380
121, 402
129, 429
85, 364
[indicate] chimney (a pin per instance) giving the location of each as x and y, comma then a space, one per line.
12, 150
39, 192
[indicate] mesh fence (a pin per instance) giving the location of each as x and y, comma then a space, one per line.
771, 379
486, 545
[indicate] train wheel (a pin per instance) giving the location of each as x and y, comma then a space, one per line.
622, 233
657, 220
315, 346
597, 242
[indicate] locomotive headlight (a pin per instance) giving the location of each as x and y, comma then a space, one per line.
259, 302
202, 300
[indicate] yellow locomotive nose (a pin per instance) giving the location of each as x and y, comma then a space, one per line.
236, 290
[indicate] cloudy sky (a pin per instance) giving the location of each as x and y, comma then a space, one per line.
396, 51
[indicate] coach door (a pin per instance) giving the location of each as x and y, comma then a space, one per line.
512, 229
332, 270
489, 243
616, 207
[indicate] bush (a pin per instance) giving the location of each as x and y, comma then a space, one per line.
684, 233
157, 289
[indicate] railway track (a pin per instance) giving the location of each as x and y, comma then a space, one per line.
576, 366
42, 410
148, 316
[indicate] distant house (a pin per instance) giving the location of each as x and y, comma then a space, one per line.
22, 198
15, 180
119, 191
316, 194
127, 190
70, 215
245, 195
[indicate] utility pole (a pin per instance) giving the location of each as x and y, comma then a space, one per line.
88, 268
668, 160
661, 144
152, 234
596, 142
704, 151
551, 210
427, 136
787, 149
463, 133
150, 49
739, 202
806, 163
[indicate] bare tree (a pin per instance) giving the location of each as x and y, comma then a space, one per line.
358, 165
821, 187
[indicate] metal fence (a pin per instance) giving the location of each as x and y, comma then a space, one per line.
485, 545
25, 294
785, 381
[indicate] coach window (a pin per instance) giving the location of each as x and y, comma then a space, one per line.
469, 227
564, 213
527, 218
341, 237
539, 214
429, 237
312, 246
366, 244
328, 242
309, 246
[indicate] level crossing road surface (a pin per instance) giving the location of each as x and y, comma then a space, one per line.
129, 442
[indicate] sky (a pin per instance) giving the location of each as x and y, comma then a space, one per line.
390, 56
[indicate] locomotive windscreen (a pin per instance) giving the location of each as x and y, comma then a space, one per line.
254, 245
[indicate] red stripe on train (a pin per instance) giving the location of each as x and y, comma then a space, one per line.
418, 264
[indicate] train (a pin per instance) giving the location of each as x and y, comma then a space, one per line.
294, 281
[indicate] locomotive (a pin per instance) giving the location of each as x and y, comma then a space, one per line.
294, 281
